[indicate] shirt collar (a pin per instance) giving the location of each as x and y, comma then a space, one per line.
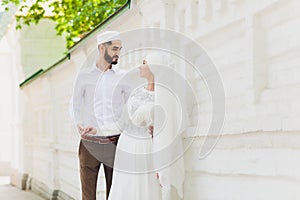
95, 68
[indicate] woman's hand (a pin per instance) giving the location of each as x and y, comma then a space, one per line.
157, 177
150, 129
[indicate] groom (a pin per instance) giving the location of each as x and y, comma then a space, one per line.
96, 90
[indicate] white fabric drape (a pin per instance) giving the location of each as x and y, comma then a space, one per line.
132, 180
168, 125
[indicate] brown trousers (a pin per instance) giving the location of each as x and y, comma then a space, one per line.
91, 156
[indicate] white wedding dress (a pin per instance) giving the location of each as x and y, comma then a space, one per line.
134, 177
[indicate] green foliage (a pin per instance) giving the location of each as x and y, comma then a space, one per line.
73, 18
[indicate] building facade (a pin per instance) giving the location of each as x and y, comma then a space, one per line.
255, 46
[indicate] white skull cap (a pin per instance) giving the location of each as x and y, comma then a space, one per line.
108, 36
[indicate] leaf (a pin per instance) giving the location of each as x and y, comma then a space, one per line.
18, 26
73, 18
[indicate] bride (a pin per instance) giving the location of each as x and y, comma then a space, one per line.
133, 177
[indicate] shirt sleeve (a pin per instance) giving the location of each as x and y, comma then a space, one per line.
126, 90
77, 100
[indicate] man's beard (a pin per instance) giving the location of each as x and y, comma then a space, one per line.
109, 59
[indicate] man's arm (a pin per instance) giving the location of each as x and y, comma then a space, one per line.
76, 103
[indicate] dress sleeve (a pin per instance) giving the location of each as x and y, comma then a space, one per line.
140, 107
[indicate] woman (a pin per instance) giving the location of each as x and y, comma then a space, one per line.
133, 178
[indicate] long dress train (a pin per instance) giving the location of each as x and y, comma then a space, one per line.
134, 177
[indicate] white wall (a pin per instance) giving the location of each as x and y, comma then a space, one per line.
41, 47
15, 46
10, 120
255, 46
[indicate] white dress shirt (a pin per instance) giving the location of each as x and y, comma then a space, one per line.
99, 98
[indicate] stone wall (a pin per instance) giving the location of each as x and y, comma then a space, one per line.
255, 47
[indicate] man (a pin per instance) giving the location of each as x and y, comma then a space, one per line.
96, 90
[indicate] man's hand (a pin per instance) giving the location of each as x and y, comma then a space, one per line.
87, 130
90, 130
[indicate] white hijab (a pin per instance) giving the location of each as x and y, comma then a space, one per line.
169, 122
